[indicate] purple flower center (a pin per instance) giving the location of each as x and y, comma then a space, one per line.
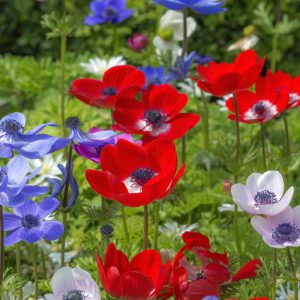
107, 230
74, 295
110, 91
30, 221
154, 117
285, 232
265, 197
260, 108
141, 176
110, 12
11, 126
73, 122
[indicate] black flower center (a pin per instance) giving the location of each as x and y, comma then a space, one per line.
74, 295
265, 197
260, 108
200, 274
30, 221
286, 232
11, 126
141, 176
73, 122
154, 117
110, 91
107, 230
110, 12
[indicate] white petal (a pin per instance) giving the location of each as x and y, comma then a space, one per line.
261, 225
287, 216
296, 210
243, 198
251, 183
63, 281
271, 181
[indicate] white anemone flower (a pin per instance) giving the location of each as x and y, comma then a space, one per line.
287, 293
262, 194
73, 283
244, 43
98, 66
227, 207
175, 230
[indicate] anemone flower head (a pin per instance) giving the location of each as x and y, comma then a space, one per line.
108, 11
262, 194
138, 42
154, 75
29, 144
29, 222
13, 182
280, 231
205, 7
73, 284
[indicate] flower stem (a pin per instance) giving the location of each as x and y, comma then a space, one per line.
18, 265
1, 245
294, 273
125, 224
35, 271
206, 123
63, 239
146, 227
63, 47
287, 136
157, 209
43, 263
263, 145
274, 272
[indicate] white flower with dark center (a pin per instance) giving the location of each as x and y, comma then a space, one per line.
73, 284
98, 66
287, 293
262, 194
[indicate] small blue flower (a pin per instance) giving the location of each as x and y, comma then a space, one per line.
104, 11
28, 222
13, 182
205, 7
154, 75
29, 144
58, 185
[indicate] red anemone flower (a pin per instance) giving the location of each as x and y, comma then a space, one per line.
259, 107
118, 80
141, 278
205, 278
136, 175
158, 115
284, 81
226, 78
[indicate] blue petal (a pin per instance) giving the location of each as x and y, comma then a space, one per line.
31, 235
74, 190
17, 169
5, 151
19, 117
172, 4
51, 230
39, 128
11, 221
56, 186
10, 200
34, 190
47, 206
13, 237
94, 20
29, 207
123, 15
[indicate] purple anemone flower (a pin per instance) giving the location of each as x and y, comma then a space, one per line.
58, 185
28, 222
280, 231
205, 7
29, 144
138, 42
13, 182
93, 152
104, 11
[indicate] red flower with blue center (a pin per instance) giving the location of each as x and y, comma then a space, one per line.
157, 115
124, 81
136, 175
226, 78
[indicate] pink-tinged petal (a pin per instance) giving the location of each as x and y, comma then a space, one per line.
261, 225
243, 198
297, 215
287, 216
251, 183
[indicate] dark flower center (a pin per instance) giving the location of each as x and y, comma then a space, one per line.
200, 274
141, 176
260, 108
110, 12
265, 197
73, 122
285, 232
107, 230
74, 295
154, 117
30, 221
99, 149
110, 91
11, 126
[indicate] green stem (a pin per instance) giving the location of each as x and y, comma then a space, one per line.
287, 136
63, 239
206, 123
124, 218
18, 265
274, 273
1, 245
43, 263
236, 229
294, 273
238, 135
35, 271
157, 209
263, 145
146, 227
63, 47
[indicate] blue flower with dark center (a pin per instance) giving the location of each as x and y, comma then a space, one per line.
141, 176
154, 75
108, 11
286, 232
29, 222
205, 7
30, 144
265, 197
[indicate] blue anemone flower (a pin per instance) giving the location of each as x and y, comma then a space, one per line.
58, 185
30, 144
13, 182
104, 11
28, 222
154, 75
205, 7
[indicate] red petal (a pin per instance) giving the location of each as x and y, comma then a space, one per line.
248, 270
216, 273
192, 238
